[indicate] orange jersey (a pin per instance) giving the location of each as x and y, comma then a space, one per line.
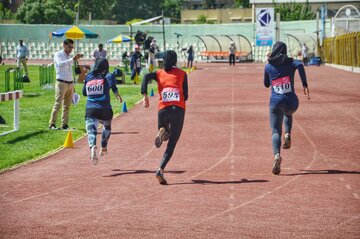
170, 87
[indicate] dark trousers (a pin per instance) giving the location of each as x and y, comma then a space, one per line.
172, 119
305, 61
232, 59
281, 113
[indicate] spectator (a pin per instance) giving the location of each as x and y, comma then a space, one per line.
100, 53
135, 64
304, 51
64, 86
232, 50
22, 54
125, 56
152, 52
190, 58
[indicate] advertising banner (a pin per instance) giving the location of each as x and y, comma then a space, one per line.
264, 26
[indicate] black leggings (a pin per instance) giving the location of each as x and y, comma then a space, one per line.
172, 119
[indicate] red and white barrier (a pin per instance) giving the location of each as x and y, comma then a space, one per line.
12, 95
15, 96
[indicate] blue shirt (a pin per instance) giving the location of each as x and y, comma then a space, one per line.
96, 88
281, 79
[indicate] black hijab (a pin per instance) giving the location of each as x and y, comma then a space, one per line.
279, 54
170, 59
101, 67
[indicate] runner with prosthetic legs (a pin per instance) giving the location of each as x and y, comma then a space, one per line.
173, 92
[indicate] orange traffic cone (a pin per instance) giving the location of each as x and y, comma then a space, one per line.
69, 143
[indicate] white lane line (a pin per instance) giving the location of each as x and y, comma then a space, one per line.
356, 195
314, 159
250, 201
348, 187
42, 194
143, 157
232, 143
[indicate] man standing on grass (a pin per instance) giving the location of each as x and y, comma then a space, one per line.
22, 54
64, 86
100, 53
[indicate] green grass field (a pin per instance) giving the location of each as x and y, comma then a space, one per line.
34, 139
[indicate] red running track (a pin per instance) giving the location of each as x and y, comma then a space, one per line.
220, 180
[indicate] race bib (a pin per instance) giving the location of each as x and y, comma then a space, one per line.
95, 87
170, 94
282, 85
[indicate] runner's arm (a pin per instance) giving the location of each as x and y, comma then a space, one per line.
266, 79
146, 79
298, 65
110, 77
185, 87
84, 89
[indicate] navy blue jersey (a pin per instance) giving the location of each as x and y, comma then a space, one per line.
281, 79
96, 88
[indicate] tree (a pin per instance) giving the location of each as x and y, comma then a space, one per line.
41, 12
294, 11
210, 3
172, 8
241, 4
130, 9
5, 13
31, 12
201, 19
99, 9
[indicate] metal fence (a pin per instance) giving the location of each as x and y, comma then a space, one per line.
17, 79
343, 50
46, 74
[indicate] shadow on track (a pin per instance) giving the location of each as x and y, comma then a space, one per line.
207, 182
321, 171
125, 172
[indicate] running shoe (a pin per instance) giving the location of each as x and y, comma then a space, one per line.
103, 151
287, 141
65, 127
159, 137
277, 164
52, 127
93, 156
166, 136
160, 177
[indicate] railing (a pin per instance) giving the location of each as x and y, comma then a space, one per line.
46, 74
17, 79
343, 50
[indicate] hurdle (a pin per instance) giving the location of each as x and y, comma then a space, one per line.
15, 96
17, 77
